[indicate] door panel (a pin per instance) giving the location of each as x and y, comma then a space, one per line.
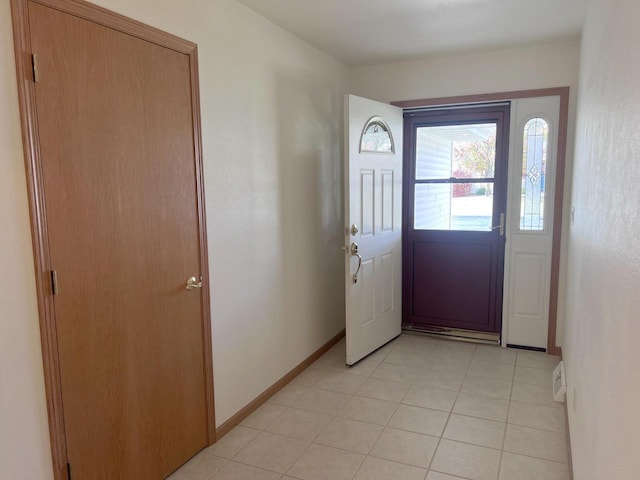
119, 175
530, 222
454, 203
373, 199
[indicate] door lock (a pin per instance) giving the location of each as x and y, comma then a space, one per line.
500, 225
353, 230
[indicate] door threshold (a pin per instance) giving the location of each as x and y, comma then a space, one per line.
460, 335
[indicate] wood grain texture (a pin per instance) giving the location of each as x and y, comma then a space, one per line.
563, 93
252, 406
40, 222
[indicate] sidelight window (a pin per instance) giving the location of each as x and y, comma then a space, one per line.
534, 168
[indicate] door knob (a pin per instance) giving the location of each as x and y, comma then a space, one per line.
193, 283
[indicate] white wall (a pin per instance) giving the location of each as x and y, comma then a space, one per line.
24, 434
545, 66
602, 335
272, 135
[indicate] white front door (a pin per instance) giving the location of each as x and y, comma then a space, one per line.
532, 173
373, 224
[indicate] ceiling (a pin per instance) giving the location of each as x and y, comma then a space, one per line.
367, 32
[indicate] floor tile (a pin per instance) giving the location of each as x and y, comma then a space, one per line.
263, 416
364, 367
340, 381
478, 431
200, 467
239, 471
481, 406
418, 343
405, 447
330, 361
300, 424
321, 401
537, 416
534, 376
272, 452
433, 379
426, 397
368, 410
419, 420
311, 375
380, 354
486, 386
441, 476
495, 354
459, 349
519, 467
443, 365
383, 389
468, 461
413, 358
536, 443
497, 371
378, 469
288, 395
326, 463
349, 435
537, 360
233, 442
536, 394
394, 372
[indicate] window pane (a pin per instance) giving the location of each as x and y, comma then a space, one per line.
459, 151
534, 168
376, 137
458, 206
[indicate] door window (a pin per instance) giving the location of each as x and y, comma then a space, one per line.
534, 170
454, 177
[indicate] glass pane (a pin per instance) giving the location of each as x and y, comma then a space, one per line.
376, 137
457, 206
459, 151
534, 169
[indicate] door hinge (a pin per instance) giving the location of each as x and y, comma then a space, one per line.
36, 71
54, 282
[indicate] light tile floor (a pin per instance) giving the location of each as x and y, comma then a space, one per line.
417, 409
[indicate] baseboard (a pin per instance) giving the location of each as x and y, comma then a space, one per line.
248, 409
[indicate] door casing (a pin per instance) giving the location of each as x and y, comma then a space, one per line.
26, 96
563, 93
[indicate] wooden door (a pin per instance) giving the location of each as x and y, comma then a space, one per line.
120, 183
455, 206
373, 236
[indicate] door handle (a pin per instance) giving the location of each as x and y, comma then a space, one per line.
193, 283
354, 253
500, 225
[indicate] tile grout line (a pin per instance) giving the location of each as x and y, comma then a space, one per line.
450, 412
506, 422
